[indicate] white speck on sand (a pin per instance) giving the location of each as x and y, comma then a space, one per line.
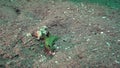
116, 61
103, 17
101, 32
56, 62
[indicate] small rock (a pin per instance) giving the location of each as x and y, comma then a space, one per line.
57, 47
116, 61
66, 48
28, 34
73, 18
101, 32
65, 12
41, 55
103, 17
88, 40
56, 62
108, 31
118, 40
69, 57
68, 8
108, 44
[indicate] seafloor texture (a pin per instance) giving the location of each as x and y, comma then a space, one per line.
88, 31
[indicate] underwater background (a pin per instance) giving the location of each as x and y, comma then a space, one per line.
59, 33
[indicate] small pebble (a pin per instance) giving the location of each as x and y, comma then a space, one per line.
118, 55
101, 32
118, 40
95, 49
73, 18
69, 57
65, 12
57, 47
108, 44
28, 34
89, 24
41, 55
113, 53
116, 61
88, 40
66, 48
68, 8
103, 17
108, 31
56, 62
